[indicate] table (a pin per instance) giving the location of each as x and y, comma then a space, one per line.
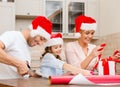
38, 82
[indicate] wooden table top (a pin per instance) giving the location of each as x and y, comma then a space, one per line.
37, 82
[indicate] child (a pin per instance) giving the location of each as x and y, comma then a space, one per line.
52, 63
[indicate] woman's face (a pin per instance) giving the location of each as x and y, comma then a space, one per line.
87, 35
56, 49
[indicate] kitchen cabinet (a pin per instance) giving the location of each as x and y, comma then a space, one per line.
26, 11
62, 13
29, 8
7, 16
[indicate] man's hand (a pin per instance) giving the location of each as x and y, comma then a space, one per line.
22, 68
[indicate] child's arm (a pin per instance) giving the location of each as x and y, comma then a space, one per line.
75, 70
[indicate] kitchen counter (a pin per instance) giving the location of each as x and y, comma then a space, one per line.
37, 82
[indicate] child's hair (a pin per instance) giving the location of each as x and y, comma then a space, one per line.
48, 50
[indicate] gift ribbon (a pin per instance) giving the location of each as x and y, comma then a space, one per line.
99, 56
105, 65
105, 62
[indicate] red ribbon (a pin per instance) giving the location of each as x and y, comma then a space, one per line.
105, 65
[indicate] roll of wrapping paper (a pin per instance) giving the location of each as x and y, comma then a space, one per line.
93, 80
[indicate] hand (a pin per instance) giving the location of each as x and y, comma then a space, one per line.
82, 71
116, 54
22, 68
96, 51
86, 72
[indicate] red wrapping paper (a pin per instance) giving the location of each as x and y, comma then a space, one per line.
94, 79
60, 79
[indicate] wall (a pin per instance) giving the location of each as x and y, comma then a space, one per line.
109, 17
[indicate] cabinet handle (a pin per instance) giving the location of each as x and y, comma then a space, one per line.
66, 33
63, 33
28, 13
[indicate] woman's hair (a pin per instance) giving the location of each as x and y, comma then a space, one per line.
48, 50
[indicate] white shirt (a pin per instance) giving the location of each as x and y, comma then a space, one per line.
16, 46
75, 54
51, 66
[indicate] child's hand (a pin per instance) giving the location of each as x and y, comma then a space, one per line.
83, 72
86, 72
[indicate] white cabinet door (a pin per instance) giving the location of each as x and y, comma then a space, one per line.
29, 7
54, 11
7, 16
74, 8
93, 11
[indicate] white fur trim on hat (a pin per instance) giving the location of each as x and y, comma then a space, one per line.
39, 31
88, 26
54, 41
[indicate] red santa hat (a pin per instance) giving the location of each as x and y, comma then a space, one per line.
85, 23
41, 26
56, 39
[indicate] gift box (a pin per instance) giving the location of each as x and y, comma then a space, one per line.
106, 67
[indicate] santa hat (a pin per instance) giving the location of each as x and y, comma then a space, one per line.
56, 39
41, 26
85, 23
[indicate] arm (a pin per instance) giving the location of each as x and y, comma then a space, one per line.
90, 57
75, 70
56, 63
9, 60
86, 61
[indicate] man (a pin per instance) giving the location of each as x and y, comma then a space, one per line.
14, 47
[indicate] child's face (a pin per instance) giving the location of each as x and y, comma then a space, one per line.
56, 49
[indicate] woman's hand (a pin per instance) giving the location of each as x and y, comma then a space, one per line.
96, 51
116, 54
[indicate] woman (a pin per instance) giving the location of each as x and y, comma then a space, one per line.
81, 53
52, 63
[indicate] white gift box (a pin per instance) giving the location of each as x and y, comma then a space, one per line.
110, 68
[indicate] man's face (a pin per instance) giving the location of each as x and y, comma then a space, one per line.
37, 40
